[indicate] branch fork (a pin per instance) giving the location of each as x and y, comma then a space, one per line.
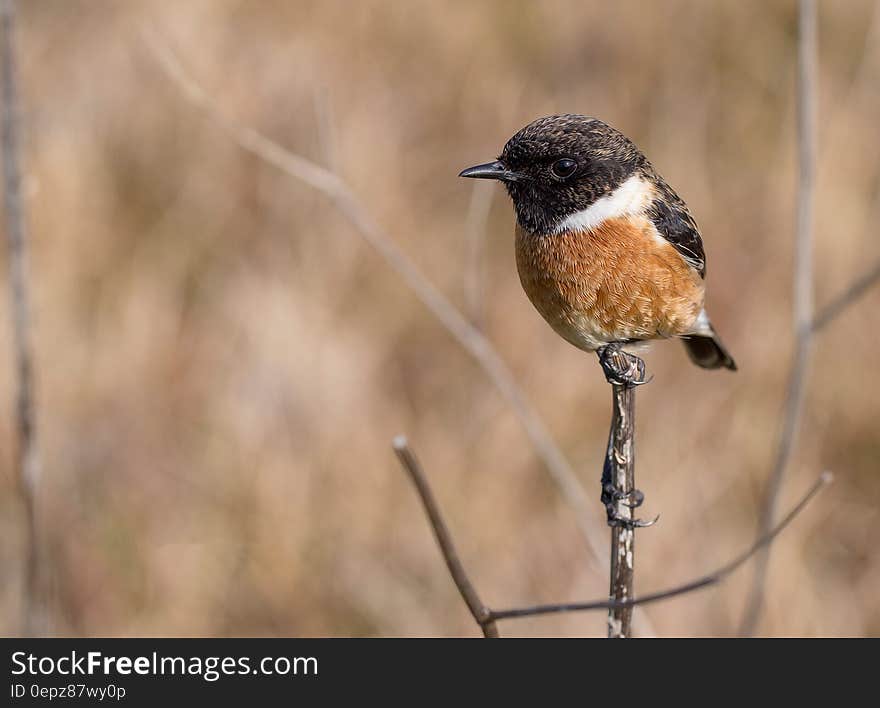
487, 618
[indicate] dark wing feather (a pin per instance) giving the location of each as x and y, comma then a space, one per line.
670, 216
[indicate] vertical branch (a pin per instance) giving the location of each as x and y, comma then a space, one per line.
803, 294
806, 110
619, 470
27, 461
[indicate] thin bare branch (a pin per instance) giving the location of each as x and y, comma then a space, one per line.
849, 296
619, 493
468, 336
712, 578
486, 617
478, 610
619, 474
803, 294
27, 458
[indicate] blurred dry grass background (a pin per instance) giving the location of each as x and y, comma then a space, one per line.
222, 362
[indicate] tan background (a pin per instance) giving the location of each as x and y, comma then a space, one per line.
223, 362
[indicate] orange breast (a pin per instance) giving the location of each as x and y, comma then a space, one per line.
618, 281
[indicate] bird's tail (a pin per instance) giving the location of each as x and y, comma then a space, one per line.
705, 348
708, 352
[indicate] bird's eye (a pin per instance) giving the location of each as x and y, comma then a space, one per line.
564, 167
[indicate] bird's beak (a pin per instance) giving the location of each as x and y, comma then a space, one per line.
491, 170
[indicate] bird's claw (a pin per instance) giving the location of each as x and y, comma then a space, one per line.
621, 368
610, 494
611, 497
615, 520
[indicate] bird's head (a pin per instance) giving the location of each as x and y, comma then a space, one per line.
559, 166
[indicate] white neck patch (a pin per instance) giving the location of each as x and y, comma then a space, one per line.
631, 197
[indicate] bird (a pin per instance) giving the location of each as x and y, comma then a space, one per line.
606, 251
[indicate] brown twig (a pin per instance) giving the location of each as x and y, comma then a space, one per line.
480, 613
619, 472
855, 291
27, 458
486, 617
803, 295
468, 336
619, 494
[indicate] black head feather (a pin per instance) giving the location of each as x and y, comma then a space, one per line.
543, 196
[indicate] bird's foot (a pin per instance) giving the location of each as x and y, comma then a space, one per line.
615, 520
620, 367
610, 499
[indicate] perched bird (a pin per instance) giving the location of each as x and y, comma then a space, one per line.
606, 251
